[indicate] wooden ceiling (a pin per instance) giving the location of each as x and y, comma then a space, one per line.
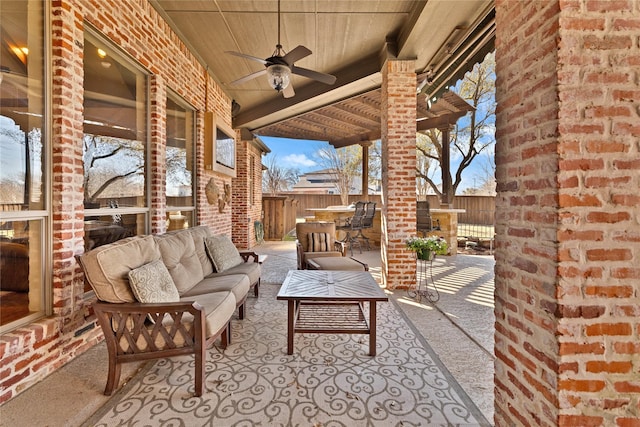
350, 39
357, 119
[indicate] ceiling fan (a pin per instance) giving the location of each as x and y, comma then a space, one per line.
280, 66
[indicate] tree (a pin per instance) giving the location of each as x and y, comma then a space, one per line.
472, 134
276, 178
424, 163
345, 164
375, 164
107, 161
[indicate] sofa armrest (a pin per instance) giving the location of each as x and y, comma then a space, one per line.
175, 329
340, 247
246, 256
127, 330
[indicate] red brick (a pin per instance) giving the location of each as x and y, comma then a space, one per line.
627, 386
609, 254
581, 385
609, 367
609, 291
610, 329
579, 421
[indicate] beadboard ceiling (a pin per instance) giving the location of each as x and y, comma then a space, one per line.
350, 39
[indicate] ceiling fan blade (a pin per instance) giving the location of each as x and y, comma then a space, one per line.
296, 54
321, 77
288, 91
249, 77
244, 55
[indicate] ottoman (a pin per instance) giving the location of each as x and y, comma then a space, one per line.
336, 263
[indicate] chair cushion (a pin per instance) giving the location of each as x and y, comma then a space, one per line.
180, 257
218, 308
238, 284
153, 283
107, 267
198, 234
222, 252
319, 242
251, 269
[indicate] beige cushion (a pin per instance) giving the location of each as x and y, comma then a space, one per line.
179, 256
308, 255
251, 269
153, 283
238, 284
218, 307
107, 267
319, 242
337, 263
198, 234
222, 252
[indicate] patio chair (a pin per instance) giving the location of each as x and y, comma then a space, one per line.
316, 240
367, 222
424, 221
353, 226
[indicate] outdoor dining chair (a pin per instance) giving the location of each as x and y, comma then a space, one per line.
424, 221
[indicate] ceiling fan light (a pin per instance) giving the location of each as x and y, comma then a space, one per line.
279, 76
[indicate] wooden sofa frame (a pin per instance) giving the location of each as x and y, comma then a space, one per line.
129, 322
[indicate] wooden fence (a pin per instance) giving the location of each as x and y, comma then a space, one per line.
280, 212
279, 216
479, 209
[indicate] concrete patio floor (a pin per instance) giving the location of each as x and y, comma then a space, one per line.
459, 327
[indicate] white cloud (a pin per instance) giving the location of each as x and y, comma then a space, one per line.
298, 160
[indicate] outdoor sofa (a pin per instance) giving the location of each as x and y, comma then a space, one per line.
167, 295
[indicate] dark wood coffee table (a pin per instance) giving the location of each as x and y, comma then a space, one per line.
331, 302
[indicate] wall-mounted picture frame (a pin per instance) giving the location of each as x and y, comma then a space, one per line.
219, 145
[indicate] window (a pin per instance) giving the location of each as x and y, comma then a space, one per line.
115, 144
180, 160
23, 290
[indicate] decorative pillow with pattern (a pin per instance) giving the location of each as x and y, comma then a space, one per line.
319, 242
153, 283
223, 253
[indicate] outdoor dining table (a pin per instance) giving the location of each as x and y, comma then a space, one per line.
331, 302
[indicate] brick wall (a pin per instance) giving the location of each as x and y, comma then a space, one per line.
398, 115
567, 213
244, 212
32, 352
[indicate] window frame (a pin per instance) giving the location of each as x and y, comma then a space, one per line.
43, 216
177, 99
95, 36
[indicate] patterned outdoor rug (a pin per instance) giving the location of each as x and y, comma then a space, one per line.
328, 381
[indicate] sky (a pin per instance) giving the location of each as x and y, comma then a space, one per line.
294, 153
301, 155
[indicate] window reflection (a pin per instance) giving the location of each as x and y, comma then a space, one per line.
114, 145
179, 161
115, 139
22, 161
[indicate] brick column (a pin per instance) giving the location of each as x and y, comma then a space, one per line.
398, 115
240, 231
158, 153
568, 236
67, 225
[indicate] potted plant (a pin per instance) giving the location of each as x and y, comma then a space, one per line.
427, 247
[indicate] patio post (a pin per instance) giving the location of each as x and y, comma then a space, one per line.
365, 169
398, 116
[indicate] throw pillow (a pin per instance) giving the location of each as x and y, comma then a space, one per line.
153, 283
222, 252
319, 242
